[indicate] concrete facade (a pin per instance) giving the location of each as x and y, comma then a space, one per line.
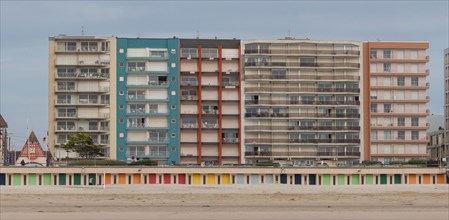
79, 91
397, 99
302, 101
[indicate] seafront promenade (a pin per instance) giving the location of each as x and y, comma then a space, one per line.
28, 176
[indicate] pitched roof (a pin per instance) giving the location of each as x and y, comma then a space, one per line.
32, 149
3, 123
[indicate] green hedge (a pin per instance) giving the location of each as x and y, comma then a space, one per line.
142, 162
96, 163
417, 162
371, 162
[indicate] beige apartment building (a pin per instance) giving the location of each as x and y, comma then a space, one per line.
302, 101
396, 86
210, 103
79, 90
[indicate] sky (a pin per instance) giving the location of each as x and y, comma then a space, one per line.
26, 26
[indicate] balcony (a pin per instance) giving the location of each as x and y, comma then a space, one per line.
191, 83
299, 102
76, 75
302, 65
230, 140
66, 115
303, 52
101, 89
210, 112
300, 154
189, 125
297, 90
300, 77
305, 115
189, 97
300, 127
289, 140
230, 84
209, 125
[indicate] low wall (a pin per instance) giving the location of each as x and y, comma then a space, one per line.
13, 176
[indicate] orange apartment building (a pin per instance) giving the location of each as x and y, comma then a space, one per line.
395, 89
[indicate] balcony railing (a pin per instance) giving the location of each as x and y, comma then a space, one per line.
299, 154
299, 102
189, 125
210, 112
298, 64
233, 83
230, 140
302, 77
291, 140
66, 115
210, 125
191, 83
286, 115
293, 52
189, 97
286, 89
301, 127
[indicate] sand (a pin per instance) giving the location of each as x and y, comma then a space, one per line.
225, 202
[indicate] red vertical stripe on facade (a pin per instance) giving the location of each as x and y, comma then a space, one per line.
220, 100
179, 101
199, 135
240, 103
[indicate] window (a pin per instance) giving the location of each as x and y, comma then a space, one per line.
104, 46
154, 108
415, 135
387, 108
189, 123
188, 95
136, 122
136, 108
415, 121
67, 112
173, 135
63, 138
158, 151
158, 136
66, 126
401, 121
173, 121
121, 92
401, 135
210, 123
88, 99
66, 72
173, 106
401, 81
66, 46
230, 137
189, 81
136, 94
136, 66
89, 46
66, 86
415, 81
65, 99
279, 74
307, 61
229, 81
387, 54
210, 109
373, 54
158, 53
189, 53
373, 107
104, 125
387, 135
387, 67
209, 53
93, 126
373, 135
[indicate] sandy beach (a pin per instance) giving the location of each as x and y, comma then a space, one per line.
225, 202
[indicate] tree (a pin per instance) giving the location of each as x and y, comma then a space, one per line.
83, 145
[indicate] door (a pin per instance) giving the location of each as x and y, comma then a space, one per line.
2, 179
92, 179
62, 179
326, 179
397, 178
383, 179
47, 179
297, 179
182, 178
77, 179
312, 179
254, 179
355, 179
283, 178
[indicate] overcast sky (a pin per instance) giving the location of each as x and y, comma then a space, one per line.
26, 26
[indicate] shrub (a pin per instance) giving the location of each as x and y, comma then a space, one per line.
395, 162
143, 162
414, 161
96, 163
267, 163
371, 162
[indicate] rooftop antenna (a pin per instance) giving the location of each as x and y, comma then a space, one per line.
197, 34
82, 30
289, 33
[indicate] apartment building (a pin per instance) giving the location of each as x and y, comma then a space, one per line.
3, 141
436, 147
79, 91
395, 82
210, 103
446, 98
302, 101
147, 94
